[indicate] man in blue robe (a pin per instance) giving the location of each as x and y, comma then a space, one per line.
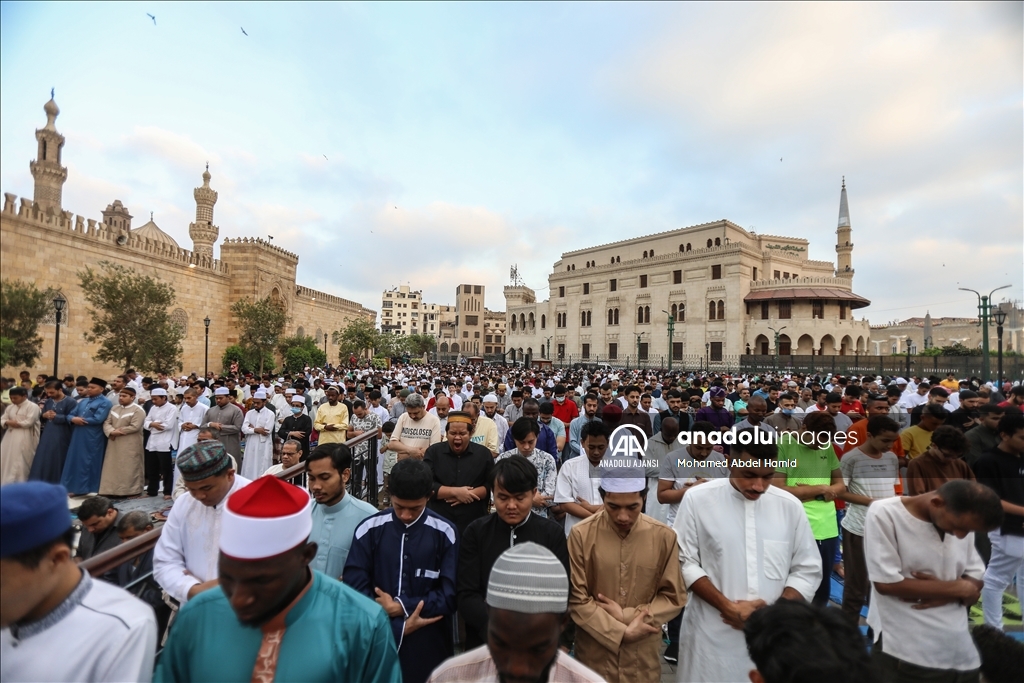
84, 464
272, 618
48, 465
406, 558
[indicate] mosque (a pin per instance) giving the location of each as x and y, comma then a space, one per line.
42, 243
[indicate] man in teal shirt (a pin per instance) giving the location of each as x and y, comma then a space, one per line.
335, 514
816, 480
272, 617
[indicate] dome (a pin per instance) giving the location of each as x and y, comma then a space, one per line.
152, 232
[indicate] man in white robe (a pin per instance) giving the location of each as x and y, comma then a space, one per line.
21, 426
191, 415
743, 544
185, 558
259, 428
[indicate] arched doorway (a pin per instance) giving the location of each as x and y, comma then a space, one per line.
805, 345
762, 345
827, 346
785, 345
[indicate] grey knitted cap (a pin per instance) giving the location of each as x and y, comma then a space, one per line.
529, 579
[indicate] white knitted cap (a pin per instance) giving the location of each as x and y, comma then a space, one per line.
529, 579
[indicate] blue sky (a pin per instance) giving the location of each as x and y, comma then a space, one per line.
460, 138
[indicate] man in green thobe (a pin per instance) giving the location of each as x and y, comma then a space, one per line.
273, 618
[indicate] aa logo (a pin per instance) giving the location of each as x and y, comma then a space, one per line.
628, 441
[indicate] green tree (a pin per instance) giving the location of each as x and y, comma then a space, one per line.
261, 323
419, 344
391, 345
298, 352
22, 308
130, 320
358, 336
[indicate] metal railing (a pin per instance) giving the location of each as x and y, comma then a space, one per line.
115, 557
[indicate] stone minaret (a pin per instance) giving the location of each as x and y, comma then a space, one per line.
49, 175
203, 232
844, 247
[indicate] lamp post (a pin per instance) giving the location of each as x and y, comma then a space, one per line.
909, 342
707, 357
984, 311
777, 333
671, 330
547, 343
1000, 318
58, 307
638, 338
206, 350
325, 344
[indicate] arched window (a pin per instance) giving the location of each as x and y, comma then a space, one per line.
319, 335
568, 268
721, 310
613, 259
444, 347
574, 266
718, 241
645, 254
514, 323
610, 317
675, 309
522, 321
543, 321
711, 310
647, 314
589, 313
533, 322
688, 247
640, 314
583, 318
616, 317
682, 313
682, 247
300, 331
652, 253
455, 348
618, 259
710, 243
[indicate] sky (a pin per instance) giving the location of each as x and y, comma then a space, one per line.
436, 144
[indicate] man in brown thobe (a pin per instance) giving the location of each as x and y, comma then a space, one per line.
123, 464
626, 583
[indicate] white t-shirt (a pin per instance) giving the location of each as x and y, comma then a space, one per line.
574, 481
896, 544
867, 476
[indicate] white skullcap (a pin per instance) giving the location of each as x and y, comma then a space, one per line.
624, 481
298, 399
289, 391
491, 398
158, 392
220, 391
261, 395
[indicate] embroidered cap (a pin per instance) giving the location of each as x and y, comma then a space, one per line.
202, 460
264, 519
529, 579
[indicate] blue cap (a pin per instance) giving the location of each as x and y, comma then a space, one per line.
31, 514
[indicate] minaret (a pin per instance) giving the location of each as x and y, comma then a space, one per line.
844, 247
49, 175
203, 232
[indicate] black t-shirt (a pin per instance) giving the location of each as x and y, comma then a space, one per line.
1004, 473
472, 468
960, 418
694, 392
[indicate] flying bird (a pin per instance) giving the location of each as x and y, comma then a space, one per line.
325, 157
151, 17
243, 31
780, 158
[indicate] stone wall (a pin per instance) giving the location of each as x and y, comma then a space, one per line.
48, 249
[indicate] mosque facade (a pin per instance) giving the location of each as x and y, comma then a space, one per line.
44, 244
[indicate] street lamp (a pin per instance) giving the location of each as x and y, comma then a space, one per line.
671, 330
547, 342
639, 336
325, 344
777, 333
1000, 317
58, 307
206, 352
984, 309
909, 342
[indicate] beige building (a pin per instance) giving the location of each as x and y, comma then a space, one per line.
727, 290
402, 311
928, 332
475, 330
44, 244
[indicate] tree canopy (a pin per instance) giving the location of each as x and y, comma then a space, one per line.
359, 335
261, 324
130, 318
299, 352
22, 309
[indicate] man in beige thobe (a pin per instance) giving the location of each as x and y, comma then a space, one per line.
123, 462
626, 583
21, 425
